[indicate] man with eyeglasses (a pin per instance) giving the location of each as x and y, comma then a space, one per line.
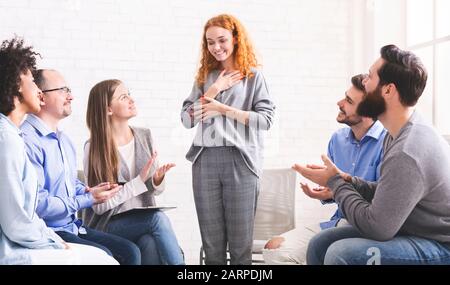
61, 194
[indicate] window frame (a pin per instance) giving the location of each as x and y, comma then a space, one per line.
433, 44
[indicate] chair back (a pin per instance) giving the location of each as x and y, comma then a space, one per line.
275, 209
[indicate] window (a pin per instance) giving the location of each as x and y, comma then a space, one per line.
428, 36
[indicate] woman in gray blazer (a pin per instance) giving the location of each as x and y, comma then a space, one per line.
231, 105
117, 152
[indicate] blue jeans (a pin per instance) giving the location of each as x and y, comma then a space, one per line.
345, 245
126, 252
152, 232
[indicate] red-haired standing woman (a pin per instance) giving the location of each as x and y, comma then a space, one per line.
231, 105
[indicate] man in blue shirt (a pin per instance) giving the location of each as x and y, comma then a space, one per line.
357, 150
61, 194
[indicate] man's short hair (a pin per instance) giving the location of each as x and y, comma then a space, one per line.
39, 78
405, 70
357, 81
15, 59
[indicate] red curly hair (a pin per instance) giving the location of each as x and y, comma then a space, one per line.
244, 56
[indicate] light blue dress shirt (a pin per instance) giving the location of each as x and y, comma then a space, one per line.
357, 158
61, 194
21, 230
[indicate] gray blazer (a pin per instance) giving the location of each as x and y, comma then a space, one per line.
143, 144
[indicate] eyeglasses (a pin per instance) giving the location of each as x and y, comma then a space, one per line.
65, 89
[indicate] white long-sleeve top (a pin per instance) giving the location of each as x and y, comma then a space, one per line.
135, 193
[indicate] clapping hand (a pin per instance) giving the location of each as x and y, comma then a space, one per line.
160, 172
319, 193
319, 174
103, 191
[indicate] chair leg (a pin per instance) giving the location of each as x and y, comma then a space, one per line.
184, 256
202, 255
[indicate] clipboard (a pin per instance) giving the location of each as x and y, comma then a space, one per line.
149, 208
162, 207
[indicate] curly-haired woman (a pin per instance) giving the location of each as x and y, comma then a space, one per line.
231, 105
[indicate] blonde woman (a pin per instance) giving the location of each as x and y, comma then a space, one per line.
118, 152
231, 105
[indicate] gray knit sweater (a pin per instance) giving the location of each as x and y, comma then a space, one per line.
252, 95
412, 196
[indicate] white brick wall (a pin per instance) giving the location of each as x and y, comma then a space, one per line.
153, 46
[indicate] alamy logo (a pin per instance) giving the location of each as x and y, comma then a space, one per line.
375, 254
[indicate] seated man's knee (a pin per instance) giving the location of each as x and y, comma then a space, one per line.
315, 250
347, 252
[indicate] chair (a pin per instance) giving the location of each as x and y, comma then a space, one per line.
80, 176
275, 210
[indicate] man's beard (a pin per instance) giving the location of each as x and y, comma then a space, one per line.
67, 110
349, 120
373, 104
